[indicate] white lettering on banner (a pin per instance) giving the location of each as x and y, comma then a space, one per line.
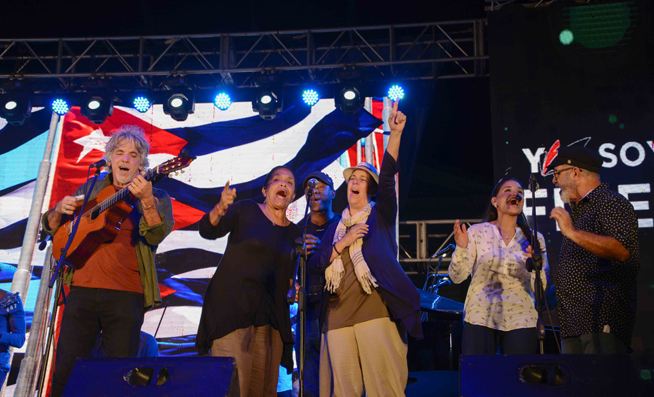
630, 158
534, 159
608, 155
606, 151
636, 188
641, 154
624, 190
540, 210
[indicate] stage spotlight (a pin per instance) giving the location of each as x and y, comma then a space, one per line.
180, 104
15, 107
349, 100
310, 97
267, 105
60, 106
97, 106
222, 101
142, 103
395, 93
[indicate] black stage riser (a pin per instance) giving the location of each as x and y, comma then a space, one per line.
548, 375
150, 377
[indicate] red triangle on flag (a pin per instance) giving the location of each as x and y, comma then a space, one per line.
185, 215
165, 291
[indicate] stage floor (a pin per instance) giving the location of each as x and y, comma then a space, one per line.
430, 383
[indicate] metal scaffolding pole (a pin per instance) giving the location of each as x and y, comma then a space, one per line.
31, 363
21, 280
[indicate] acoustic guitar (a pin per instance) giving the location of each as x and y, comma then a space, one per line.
102, 222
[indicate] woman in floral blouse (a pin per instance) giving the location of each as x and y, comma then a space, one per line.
499, 307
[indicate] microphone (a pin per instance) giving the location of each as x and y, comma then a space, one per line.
447, 250
98, 164
43, 240
533, 183
313, 183
444, 281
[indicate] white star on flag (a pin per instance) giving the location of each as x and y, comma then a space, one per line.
94, 140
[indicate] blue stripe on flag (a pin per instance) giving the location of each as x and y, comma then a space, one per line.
223, 135
328, 138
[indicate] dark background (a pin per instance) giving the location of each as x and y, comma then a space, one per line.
601, 86
447, 173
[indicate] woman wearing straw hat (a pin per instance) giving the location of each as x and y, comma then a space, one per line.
371, 303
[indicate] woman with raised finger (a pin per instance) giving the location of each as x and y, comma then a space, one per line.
499, 307
370, 303
245, 313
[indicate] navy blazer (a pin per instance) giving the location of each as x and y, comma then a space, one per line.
380, 252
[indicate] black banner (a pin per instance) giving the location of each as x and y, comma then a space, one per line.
578, 74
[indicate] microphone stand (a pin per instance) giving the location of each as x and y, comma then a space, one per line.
301, 301
535, 263
58, 276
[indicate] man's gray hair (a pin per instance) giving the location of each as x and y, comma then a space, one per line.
133, 134
590, 175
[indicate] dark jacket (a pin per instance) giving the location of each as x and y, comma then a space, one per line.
380, 252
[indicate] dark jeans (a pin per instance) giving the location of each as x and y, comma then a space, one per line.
478, 339
595, 343
311, 358
118, 314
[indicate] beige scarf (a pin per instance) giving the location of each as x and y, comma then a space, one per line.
335, 271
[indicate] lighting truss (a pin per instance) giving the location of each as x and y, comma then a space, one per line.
453, 49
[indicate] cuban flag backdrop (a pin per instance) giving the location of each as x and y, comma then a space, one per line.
234, 145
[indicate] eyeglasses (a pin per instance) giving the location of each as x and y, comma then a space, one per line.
556, 174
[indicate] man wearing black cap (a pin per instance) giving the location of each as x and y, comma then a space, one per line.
599, 259
320, 217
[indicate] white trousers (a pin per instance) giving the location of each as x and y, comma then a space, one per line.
371, 353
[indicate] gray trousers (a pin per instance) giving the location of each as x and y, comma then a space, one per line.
258, 353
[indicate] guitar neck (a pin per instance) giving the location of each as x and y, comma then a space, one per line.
119, 195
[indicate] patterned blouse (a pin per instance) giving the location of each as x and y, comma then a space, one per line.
501, 293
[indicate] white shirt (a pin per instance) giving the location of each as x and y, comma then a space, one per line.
501, 292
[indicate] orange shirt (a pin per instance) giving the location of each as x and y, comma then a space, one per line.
114, 265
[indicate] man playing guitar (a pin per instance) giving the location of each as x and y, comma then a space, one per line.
113, 288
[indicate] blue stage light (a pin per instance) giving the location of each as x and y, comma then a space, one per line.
142, 103
395, 93
60, 106
222, 101
310, 97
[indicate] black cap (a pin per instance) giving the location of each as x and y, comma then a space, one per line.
321, 176
579, 156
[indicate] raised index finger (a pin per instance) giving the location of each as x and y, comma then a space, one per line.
395, 105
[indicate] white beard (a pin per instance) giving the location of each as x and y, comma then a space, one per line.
565, 197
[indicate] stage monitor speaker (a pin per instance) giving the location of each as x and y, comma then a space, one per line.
150, 377
548, 375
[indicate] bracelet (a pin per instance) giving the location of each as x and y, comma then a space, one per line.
336, 249
147, 208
